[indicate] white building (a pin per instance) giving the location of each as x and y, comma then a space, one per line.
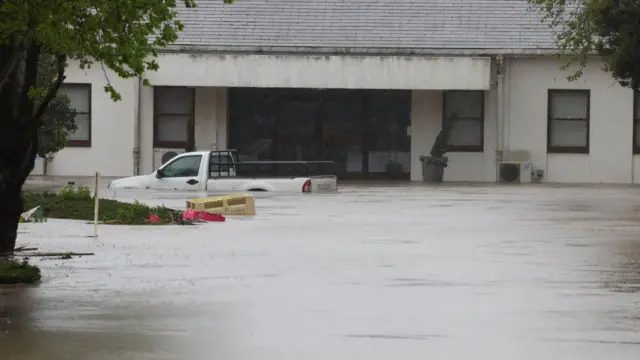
363, 83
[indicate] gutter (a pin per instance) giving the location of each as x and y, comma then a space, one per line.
368, 51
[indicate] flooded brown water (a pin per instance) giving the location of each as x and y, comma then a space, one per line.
409, 272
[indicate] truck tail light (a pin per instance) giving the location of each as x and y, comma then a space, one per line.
306, 187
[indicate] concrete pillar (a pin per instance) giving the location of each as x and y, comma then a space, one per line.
426, 122
206, 117
222, 117
146, 130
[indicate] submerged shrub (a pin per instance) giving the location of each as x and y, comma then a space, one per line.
13, 272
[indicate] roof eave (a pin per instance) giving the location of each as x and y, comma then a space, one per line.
209, 49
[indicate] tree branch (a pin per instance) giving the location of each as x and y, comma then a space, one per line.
25, 109
106, 76
53, 90
16, 57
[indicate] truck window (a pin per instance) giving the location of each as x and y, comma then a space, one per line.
183, 167
220, 165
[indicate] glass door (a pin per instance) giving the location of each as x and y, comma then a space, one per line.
388, 141
297, 138
342, 134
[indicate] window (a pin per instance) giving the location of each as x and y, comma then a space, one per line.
636, 122
183, 167
80, 100
568, 123
174, 108
466, 110
219, 164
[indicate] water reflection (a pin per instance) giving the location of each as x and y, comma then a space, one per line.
16, 307
35, 326
625, 276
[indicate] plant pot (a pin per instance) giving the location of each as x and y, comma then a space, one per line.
394, 167
433, 169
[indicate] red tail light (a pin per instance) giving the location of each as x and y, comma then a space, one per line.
306, 187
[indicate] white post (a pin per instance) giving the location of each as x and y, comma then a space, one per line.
96, 205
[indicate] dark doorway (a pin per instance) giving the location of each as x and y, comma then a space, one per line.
364, 131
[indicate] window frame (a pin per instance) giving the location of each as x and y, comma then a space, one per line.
466, 148
223, 167
156, 115
82, 143
568, 149
636, 121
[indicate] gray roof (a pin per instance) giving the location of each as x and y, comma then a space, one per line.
401, 26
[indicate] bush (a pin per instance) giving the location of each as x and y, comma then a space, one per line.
13, 272
76, 202
75, 192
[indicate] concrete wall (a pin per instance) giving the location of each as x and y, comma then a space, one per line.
112, 128
337, 72
611, 125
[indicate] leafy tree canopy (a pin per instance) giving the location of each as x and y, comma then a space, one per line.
609, 28
57, 122
122, 35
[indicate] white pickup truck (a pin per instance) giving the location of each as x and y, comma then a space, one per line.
219, 171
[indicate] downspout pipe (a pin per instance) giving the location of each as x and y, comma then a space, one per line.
506, 108
500, 155
136, 138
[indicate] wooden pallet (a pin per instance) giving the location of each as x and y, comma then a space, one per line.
239, 204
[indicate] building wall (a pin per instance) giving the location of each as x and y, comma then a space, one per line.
527, 81
112, 128
211, 118
426, 123
210, 125
610, 159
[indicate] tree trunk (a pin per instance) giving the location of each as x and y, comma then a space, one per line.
20, 120
16, 164
11, 208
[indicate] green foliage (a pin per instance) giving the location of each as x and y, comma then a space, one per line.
124, 36
57, 122
609, 28
77, 202
440, 145
13, 272
58, 119
75, 192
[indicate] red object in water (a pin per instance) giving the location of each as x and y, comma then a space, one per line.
153, 218
306, 187
202, 215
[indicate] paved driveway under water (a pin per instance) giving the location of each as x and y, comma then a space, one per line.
406, 272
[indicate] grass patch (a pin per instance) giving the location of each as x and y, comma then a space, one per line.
76, 202
13, 272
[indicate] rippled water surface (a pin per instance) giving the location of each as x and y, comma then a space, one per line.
405, 272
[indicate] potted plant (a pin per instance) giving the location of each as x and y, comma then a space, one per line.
433, 165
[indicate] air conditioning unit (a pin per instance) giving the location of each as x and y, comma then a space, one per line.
161, 156
514, 172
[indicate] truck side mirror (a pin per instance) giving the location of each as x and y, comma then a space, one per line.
159, 174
